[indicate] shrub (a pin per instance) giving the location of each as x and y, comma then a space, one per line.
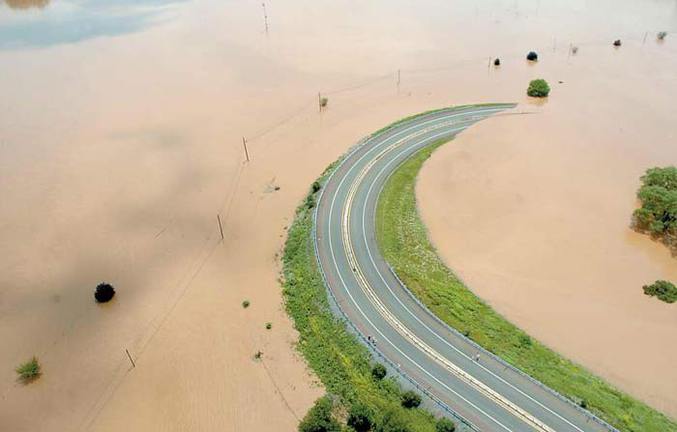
664, 290
324, 101
583, 404
319, 418
378, 371
360, 418
29, 371
410, 399
497, 62
532, 56
538, 88
104, 292
392, 421
245, 304
525, 341
316, 186
310, 201
617, 43
445, 425
269, 326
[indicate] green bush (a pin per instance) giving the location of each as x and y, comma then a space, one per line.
316, 186
664, 290
378, 371
320, 418
360, 418
538, 88
658, 196
410, 399
445, 425
392, 421
29, 371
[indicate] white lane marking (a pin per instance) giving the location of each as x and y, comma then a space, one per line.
331, 248
378, 271
390, 317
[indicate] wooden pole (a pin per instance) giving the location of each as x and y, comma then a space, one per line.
246, 151
319, 101
218, 218
130, 358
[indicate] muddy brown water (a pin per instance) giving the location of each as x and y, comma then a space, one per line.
120, 141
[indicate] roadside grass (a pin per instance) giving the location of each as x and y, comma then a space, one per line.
403, 240
343, 364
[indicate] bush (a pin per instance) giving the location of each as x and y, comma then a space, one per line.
538, 88
360, 418
378, 371
392, 421
445, 425
269, 325
497, 62
310, 201
664, 290
104, 292
319, 418
29, 371
316, 186
410, 399
532, 56
617, 43
245, 304
583, 404
324, 101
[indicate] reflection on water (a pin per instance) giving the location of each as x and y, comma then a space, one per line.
23, 25
26, 4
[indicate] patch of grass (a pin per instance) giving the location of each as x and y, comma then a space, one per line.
343, 364
403, 240
664, 290
29, 371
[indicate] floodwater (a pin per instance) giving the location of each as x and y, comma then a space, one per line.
121, 126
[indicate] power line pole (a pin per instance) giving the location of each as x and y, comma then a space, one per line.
130, 358
218, 218
246, 151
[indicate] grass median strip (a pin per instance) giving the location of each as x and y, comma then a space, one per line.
403, 240
343, 364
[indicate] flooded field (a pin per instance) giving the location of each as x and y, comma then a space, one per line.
121, 128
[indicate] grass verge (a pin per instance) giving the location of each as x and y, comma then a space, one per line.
339, 360
403, 240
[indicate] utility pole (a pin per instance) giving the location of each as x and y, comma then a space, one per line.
130, 358
218, 218
246, 151
319, 101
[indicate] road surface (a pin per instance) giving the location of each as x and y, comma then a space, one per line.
485, 394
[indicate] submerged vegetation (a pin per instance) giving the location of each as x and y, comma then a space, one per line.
404, 243
538, 88
29, 371
658, 213
343, 364
664, 290
104, 292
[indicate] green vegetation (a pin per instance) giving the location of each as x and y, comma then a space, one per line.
360, 418
269, 325
404, 242
658, 213
29, 371
445, 425
411, 399
320, 418
245, 304
538, 88
343, 364
664, 290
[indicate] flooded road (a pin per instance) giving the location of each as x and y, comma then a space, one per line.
121, 128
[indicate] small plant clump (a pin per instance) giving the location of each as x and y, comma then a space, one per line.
269, 325
617, 43
661, 35
532, 56
497, 61
445, 425
538, 88
29, 371
664, 290
378, 371
410, 399
245, 304
104, 292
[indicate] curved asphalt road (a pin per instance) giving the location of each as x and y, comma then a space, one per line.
487, 393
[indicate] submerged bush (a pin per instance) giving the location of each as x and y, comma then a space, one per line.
497, 62
538, 88
617, 43
664, 290
661, 35
410, 399
532, 56
319, 418
104, 292
29, 371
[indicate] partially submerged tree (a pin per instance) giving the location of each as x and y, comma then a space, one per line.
538, 88
658, 213
497, 61
664, 290
104, 292
532, 56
